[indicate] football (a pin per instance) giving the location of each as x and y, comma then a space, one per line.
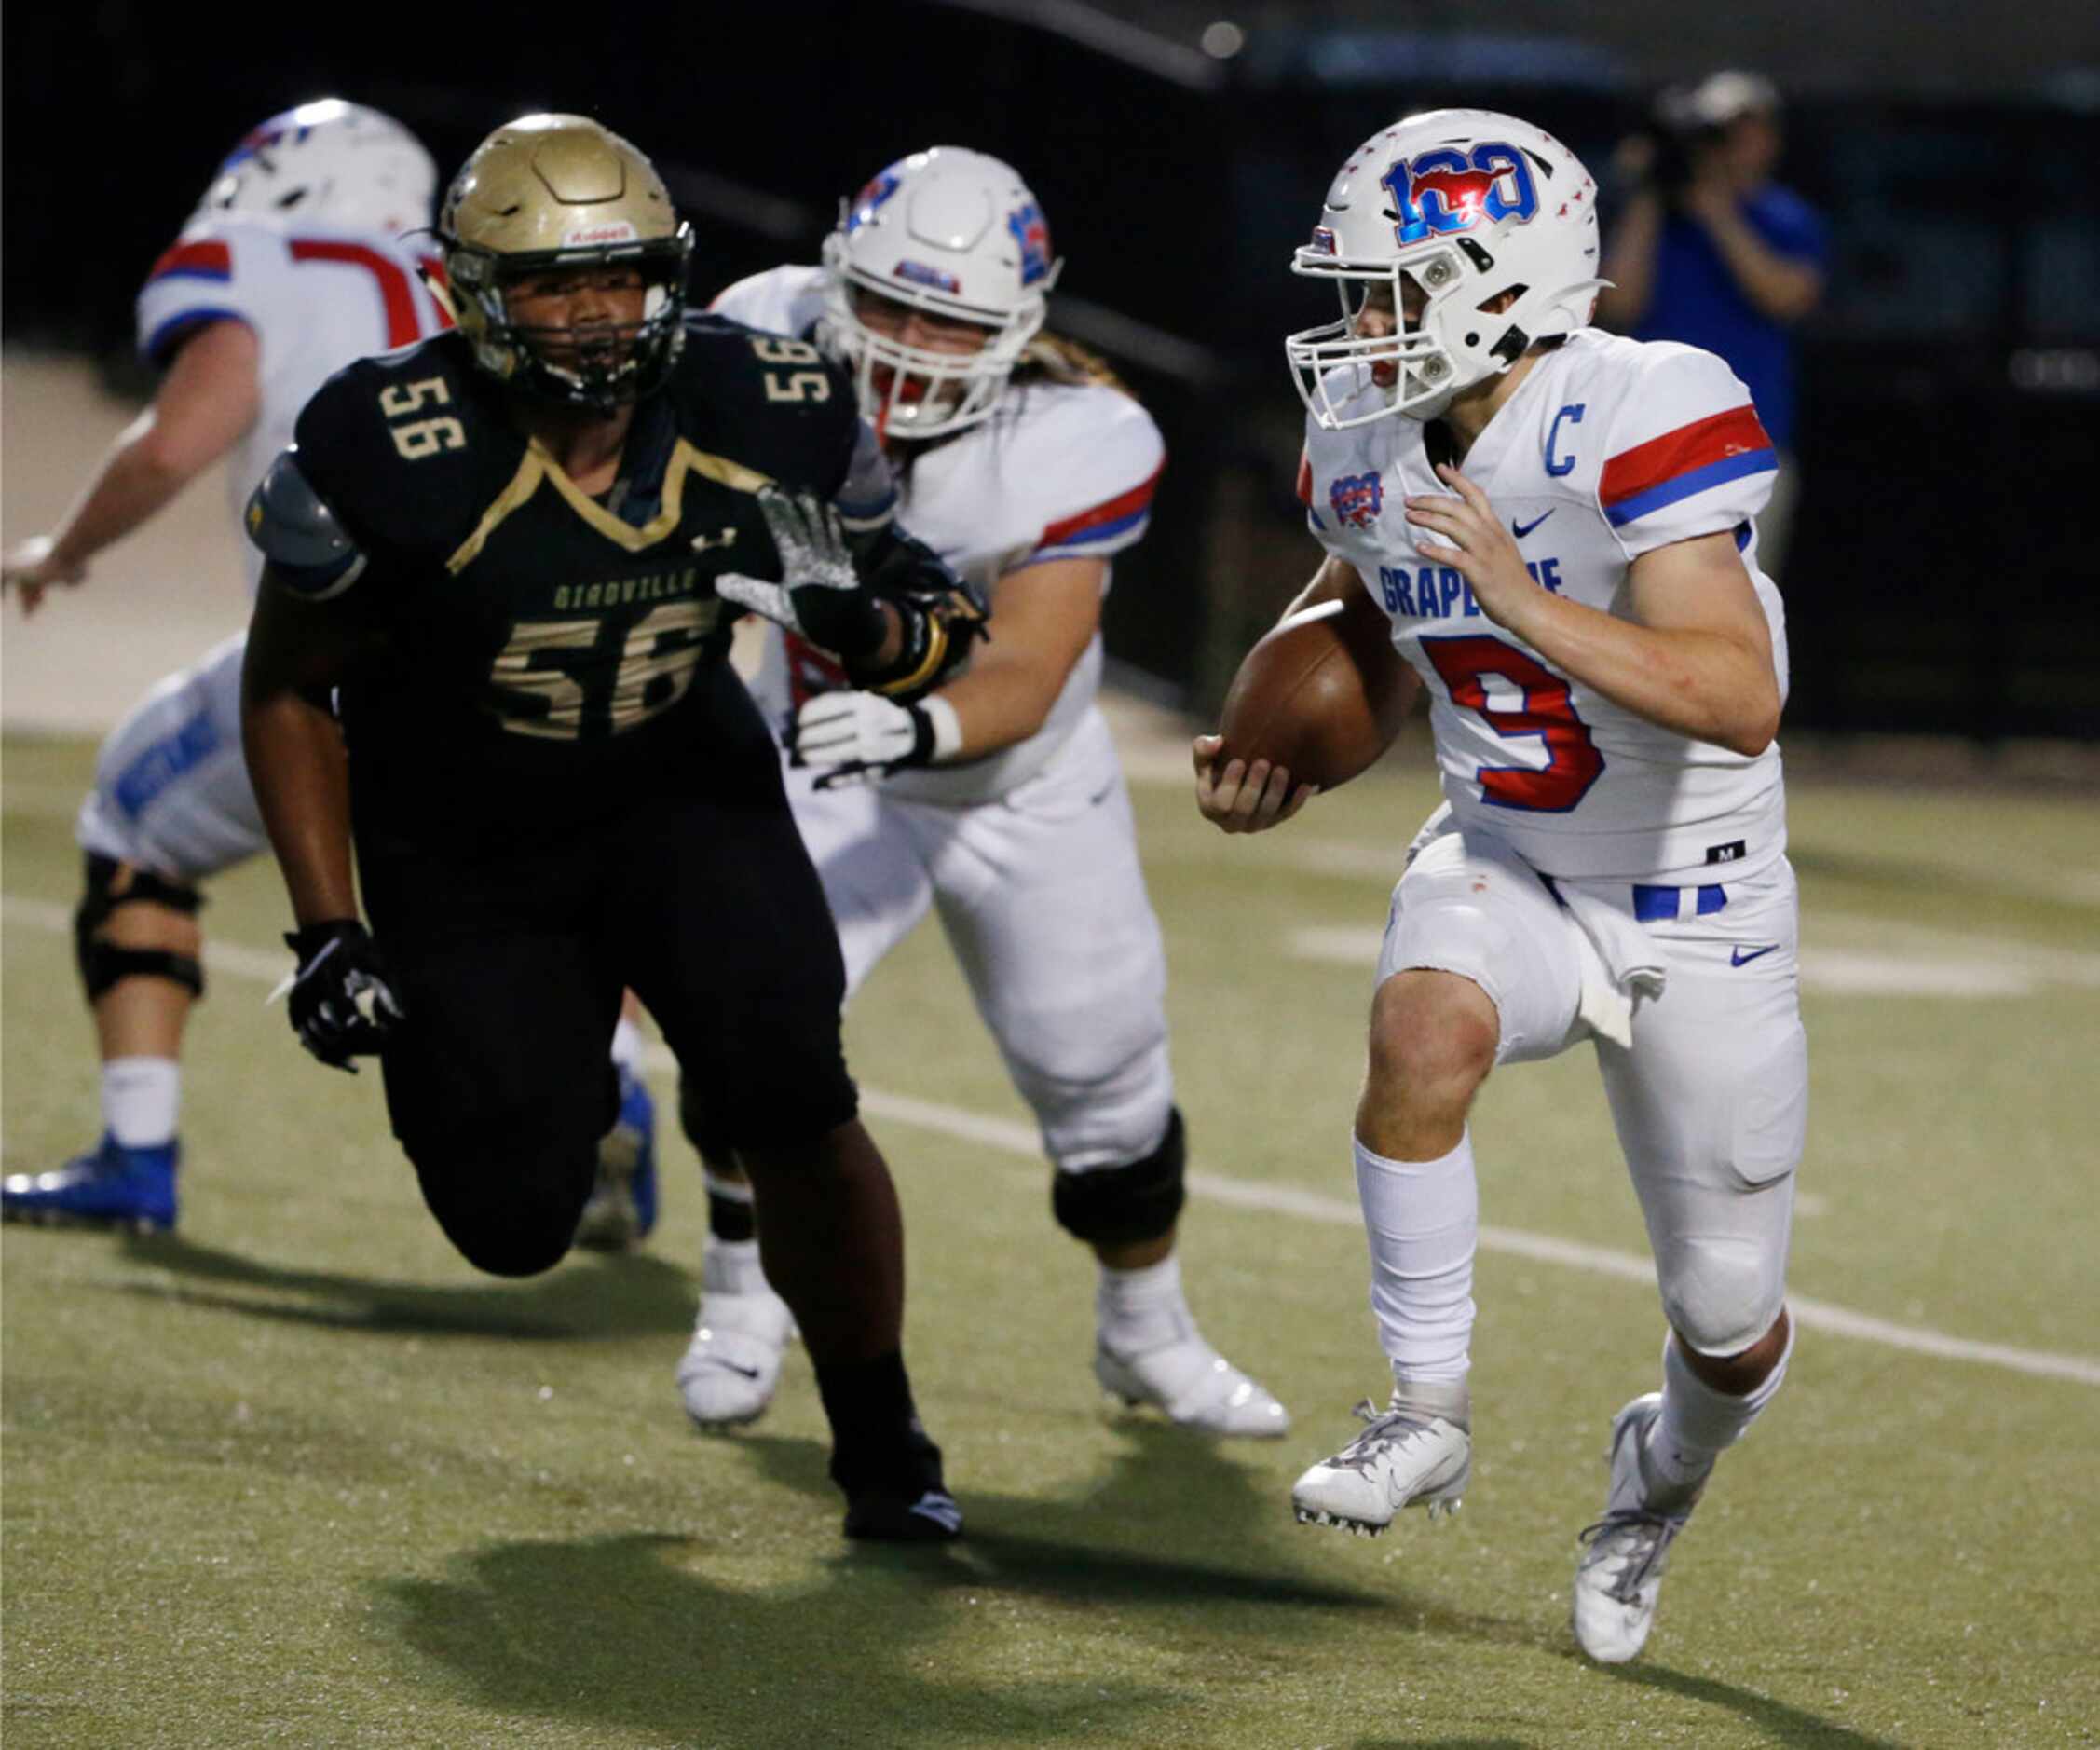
1322, 694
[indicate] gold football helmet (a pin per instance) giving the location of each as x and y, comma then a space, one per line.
548, 192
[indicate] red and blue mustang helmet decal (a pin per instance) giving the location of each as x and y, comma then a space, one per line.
1440, 192
879, 188
1032, 234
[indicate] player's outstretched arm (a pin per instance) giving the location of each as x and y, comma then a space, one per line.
209, 398
1695, 656
1037, 630
892, 612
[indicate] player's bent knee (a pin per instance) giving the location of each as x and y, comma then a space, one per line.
1721, 1295
111, 886
1120, 1206
780, 1101
512, 1236
1432, 1035
510, 1211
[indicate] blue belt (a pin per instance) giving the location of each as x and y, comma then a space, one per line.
1657, 905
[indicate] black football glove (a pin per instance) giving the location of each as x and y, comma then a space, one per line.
944, 614
820, 595
342, 1003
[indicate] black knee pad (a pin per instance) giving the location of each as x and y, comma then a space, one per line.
103, 963
1120, 1206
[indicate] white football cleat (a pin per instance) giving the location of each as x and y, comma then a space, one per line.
1196, 1387
1618, 1575
1407, 1456
732, 1364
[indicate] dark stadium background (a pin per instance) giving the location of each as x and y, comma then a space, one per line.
1943, 576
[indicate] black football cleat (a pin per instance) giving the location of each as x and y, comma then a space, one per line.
884, 1516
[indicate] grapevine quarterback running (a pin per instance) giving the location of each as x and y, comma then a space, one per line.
998, 799
1606, 667
509, 550
293, 264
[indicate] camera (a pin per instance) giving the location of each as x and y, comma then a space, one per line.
1687, 122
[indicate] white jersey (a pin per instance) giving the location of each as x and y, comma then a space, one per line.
1608, 449
1059, 471
315, 296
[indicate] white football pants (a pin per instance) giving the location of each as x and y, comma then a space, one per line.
1711, 1100
1044, 901
171, 791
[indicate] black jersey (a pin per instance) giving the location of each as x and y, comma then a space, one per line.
551, 655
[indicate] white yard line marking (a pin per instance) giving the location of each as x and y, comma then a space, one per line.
1012, 1138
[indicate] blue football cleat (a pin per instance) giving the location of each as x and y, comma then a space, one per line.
622, 1206
113, 1187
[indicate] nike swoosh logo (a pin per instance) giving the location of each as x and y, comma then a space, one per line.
749, 1373
1521, 529
1738, 958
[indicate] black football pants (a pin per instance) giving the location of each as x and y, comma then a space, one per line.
510, 967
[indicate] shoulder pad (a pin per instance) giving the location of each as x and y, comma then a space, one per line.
298, 534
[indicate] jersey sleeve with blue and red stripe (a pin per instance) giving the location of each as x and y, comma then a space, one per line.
214, 272
1688, 455
1096, 480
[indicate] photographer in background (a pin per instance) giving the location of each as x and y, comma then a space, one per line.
1710, 251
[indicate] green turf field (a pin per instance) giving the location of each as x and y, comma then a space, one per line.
296, 1476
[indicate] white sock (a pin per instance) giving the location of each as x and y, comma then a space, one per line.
1423, 1220
1135, 1310
731, 1266
141, 1099
1698, 1424
627, 1047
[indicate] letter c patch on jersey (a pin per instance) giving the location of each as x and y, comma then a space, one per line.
1557, 466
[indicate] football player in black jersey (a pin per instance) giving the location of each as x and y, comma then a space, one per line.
512, 555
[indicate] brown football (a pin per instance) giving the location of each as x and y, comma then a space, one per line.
1322, 694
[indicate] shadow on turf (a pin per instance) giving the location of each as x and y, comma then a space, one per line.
1794, 1726
618, 1632
629, 1631
627, 1296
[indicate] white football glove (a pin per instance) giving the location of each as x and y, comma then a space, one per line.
820, 595
853, 737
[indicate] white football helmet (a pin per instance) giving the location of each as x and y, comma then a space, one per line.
955, 233
329, 161
1470, 205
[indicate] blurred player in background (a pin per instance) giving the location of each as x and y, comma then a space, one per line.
997, 799
300, 258
293, 264
506, 552
1606, 664
1711, 252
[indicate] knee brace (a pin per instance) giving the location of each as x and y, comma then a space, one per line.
1721, 1293
1123, 1205
103, 963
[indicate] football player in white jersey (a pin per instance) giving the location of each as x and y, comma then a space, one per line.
998, 799
1562, 527
297, 262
